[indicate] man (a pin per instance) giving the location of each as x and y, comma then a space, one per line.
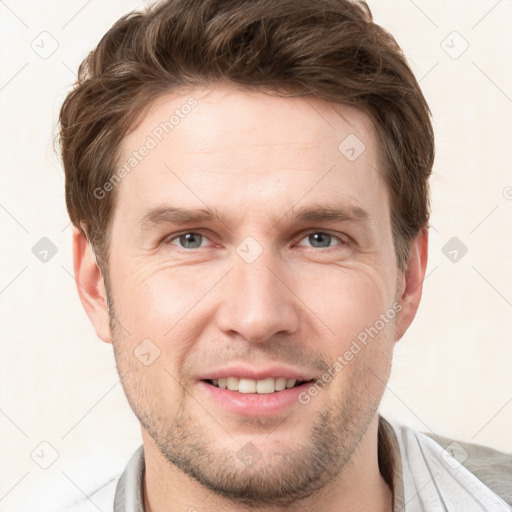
248, 181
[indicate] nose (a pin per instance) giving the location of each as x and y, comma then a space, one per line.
257, 300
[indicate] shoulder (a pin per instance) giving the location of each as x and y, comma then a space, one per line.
121, 492
492, 467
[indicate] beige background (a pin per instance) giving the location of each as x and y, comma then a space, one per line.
58, 382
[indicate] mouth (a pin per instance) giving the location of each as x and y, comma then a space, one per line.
257, 391
255, 397
265, 386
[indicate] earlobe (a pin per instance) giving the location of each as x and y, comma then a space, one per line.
90, 285
411, 284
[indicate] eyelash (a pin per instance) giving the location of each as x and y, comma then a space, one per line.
343, 242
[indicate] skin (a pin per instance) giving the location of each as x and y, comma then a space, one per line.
257, 159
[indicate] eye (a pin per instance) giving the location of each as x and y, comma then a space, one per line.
188, 240
318, 239
321, 239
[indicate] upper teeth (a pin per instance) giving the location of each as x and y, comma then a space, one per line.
254, 386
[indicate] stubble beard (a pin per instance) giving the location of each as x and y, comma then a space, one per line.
280, 477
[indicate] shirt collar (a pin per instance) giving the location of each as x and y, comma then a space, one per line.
128, 496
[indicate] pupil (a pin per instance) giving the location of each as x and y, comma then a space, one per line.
192, 239
321, 237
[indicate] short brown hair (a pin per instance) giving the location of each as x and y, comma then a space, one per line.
330, 49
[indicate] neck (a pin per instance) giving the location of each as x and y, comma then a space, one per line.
359, 486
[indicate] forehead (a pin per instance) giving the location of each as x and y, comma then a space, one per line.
251, 152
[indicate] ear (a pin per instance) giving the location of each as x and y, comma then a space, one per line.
411, 283
90, 285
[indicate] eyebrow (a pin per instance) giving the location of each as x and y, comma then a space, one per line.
314, 213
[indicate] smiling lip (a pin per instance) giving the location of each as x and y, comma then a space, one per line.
247, 372
254, 404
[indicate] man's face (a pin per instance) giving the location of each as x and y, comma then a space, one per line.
258, 294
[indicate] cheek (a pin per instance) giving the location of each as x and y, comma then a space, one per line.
153, 389
171, 305
347, 300
362, 366
353, 305
154, 300
167, 306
